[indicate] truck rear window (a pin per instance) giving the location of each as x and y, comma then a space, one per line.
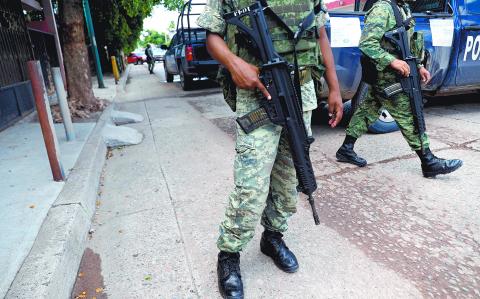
195, 35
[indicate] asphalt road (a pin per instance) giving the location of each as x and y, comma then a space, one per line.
386, 232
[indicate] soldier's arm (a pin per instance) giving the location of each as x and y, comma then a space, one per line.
335, 105
376, 24
244, 75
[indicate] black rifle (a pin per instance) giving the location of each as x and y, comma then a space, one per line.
284, 108
399, 38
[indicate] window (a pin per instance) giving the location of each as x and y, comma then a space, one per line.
419, 6
173, 42
422, 6
473, 6
345, 5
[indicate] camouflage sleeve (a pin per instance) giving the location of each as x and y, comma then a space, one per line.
322, 15
211, 18
376, 24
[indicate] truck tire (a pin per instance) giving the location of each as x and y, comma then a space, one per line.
168, 76
186, 81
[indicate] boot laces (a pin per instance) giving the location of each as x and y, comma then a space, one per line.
231, 265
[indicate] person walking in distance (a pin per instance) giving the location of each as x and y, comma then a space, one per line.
150, 58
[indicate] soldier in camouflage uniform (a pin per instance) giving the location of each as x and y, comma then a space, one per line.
378, 20
264, 175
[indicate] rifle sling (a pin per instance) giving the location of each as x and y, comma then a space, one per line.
397, 13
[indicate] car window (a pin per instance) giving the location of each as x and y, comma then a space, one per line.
418, 6
173, 42
422, 6
345, 6
196, 34
473, 6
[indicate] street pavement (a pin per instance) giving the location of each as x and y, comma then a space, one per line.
386, 232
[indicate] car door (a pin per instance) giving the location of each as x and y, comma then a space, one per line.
468, 60
429, 15
170, 62
346, 17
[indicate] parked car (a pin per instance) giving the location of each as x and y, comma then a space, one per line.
159, 54
136, 58
453, 61
187, 53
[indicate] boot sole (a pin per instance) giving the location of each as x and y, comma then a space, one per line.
225, 296
434, 174
287, 270
343, 159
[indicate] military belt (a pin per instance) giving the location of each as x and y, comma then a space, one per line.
309, 34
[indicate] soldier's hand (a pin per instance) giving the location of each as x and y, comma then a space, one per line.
424, 75
401, 67
335, 108
245, 76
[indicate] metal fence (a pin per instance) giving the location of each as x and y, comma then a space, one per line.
15, 49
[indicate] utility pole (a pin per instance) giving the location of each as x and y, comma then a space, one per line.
91, 35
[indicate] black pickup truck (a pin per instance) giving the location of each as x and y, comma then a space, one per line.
187, 53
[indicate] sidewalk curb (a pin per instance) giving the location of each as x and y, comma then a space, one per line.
50, 269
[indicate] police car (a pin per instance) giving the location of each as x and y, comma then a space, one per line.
452, 42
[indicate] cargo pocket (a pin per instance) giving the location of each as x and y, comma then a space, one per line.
245, 148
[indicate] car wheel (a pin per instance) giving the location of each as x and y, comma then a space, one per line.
384, 124
168, 77
186, 81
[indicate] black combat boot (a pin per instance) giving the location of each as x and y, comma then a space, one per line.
433, 166
272, 245
229, 277
346, 154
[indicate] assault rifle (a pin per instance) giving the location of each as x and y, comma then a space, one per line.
399, 38
284, 108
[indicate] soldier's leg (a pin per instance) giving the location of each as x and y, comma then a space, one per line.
282, 201
399, 108
253, 164
365, 115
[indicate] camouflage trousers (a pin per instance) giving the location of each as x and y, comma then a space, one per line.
398, 106
264, 176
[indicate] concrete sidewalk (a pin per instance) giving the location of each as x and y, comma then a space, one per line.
27, 190
32, 202
386, 231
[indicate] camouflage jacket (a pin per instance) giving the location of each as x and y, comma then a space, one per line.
378, 20
212, 20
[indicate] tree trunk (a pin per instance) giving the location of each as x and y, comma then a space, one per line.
75, 52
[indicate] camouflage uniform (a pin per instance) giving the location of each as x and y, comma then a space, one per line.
263, 161
378, 20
